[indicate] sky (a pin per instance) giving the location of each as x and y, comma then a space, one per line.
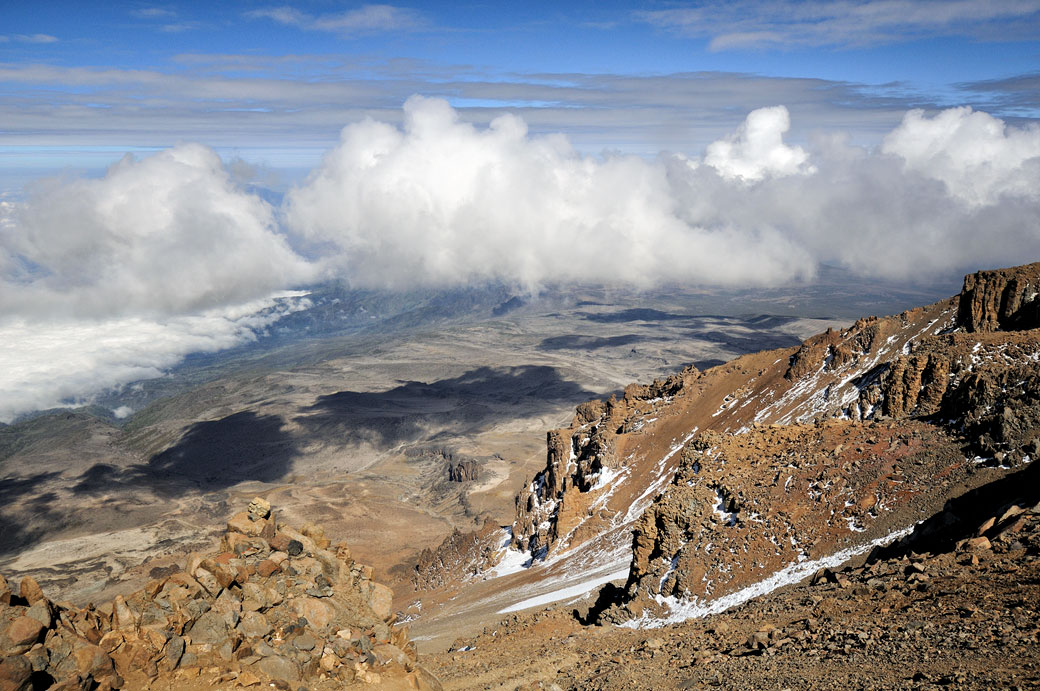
173, 176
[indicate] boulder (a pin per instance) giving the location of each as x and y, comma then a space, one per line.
20, 635
15, 673
259, 509
211, 628
30, 590
279, 668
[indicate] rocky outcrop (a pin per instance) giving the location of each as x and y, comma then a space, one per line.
461, 554
932, 408
581, 458
277, 606
1005, 299
463, 471
743, 507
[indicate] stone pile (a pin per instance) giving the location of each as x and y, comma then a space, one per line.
277, 606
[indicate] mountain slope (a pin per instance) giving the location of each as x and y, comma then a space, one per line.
706, 483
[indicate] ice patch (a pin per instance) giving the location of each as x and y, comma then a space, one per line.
565, 593
681, 609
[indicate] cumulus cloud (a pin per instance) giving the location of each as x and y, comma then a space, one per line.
442, 202
757, 148
975, 154
166, 234
110, 280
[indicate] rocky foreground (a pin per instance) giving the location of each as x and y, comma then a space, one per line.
277, 607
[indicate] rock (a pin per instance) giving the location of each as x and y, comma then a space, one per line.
173, 652
41, 612
259, 509
314, 610
211, 628
304, 642
254, 625
222, 572
463, 471
267, 567
974, 544
20, 635
386, 652
247, 679
380, 599
244, 524
15, 673
30, 590
91, 661
244, 545
122, 616
280, 668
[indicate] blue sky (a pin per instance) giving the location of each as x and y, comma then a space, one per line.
82, 82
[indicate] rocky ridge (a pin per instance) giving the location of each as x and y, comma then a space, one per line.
277, 606
951, 410
953, 605
719, 478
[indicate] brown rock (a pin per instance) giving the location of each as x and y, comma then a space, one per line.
243, 544
266, 568
93, 662
15, 673
259, 509
242, 523
247, 678
974, 544
122, 616
20, 635
30, 590
279, 542
317, 612
380, 599
5, 592
221, 570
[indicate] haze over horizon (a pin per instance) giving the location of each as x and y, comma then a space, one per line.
169, 172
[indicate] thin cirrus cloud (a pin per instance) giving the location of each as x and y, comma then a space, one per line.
791, 24
365, 19
29, 38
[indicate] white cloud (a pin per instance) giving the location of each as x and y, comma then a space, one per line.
757, 148
107, 280
365, 19
445, 203
66, 361
167, 234
29, 38
973, 153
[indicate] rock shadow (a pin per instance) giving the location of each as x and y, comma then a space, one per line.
210, 455
581, 342
417, 411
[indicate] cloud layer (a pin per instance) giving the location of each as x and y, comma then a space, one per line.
442, 202
742, 24
167, 255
